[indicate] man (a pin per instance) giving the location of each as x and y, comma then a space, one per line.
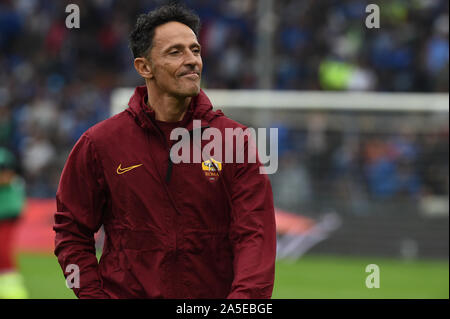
171, 230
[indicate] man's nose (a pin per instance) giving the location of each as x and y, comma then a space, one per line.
192, 59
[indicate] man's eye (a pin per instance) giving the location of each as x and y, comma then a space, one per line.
174, 52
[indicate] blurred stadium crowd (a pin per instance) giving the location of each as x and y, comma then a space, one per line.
361, 170
56, 82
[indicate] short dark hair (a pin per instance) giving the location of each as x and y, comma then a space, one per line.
141, 38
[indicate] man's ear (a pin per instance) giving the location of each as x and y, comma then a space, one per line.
143, 67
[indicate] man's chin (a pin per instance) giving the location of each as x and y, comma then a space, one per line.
191, 92
196, 92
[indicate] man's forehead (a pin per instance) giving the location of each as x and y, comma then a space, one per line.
173, 32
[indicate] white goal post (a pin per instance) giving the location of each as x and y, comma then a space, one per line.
311, 100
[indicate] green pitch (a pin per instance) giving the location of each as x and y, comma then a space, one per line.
322, 277
326, 277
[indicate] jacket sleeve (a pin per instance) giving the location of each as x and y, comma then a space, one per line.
80, 201
252, 232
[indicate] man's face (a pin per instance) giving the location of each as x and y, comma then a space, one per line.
175, 60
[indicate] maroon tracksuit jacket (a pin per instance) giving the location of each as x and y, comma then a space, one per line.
172, 230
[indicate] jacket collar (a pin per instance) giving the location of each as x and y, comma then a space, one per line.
199, 109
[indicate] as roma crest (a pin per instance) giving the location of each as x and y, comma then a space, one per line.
211, 169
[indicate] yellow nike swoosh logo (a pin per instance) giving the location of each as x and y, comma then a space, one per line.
121, 170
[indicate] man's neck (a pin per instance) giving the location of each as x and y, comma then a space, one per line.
168, 108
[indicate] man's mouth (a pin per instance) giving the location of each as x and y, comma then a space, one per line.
191, 74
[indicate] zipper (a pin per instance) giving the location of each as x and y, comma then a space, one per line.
169, 169
191, 133
169, 160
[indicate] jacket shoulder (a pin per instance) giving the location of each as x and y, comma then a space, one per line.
108, 129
